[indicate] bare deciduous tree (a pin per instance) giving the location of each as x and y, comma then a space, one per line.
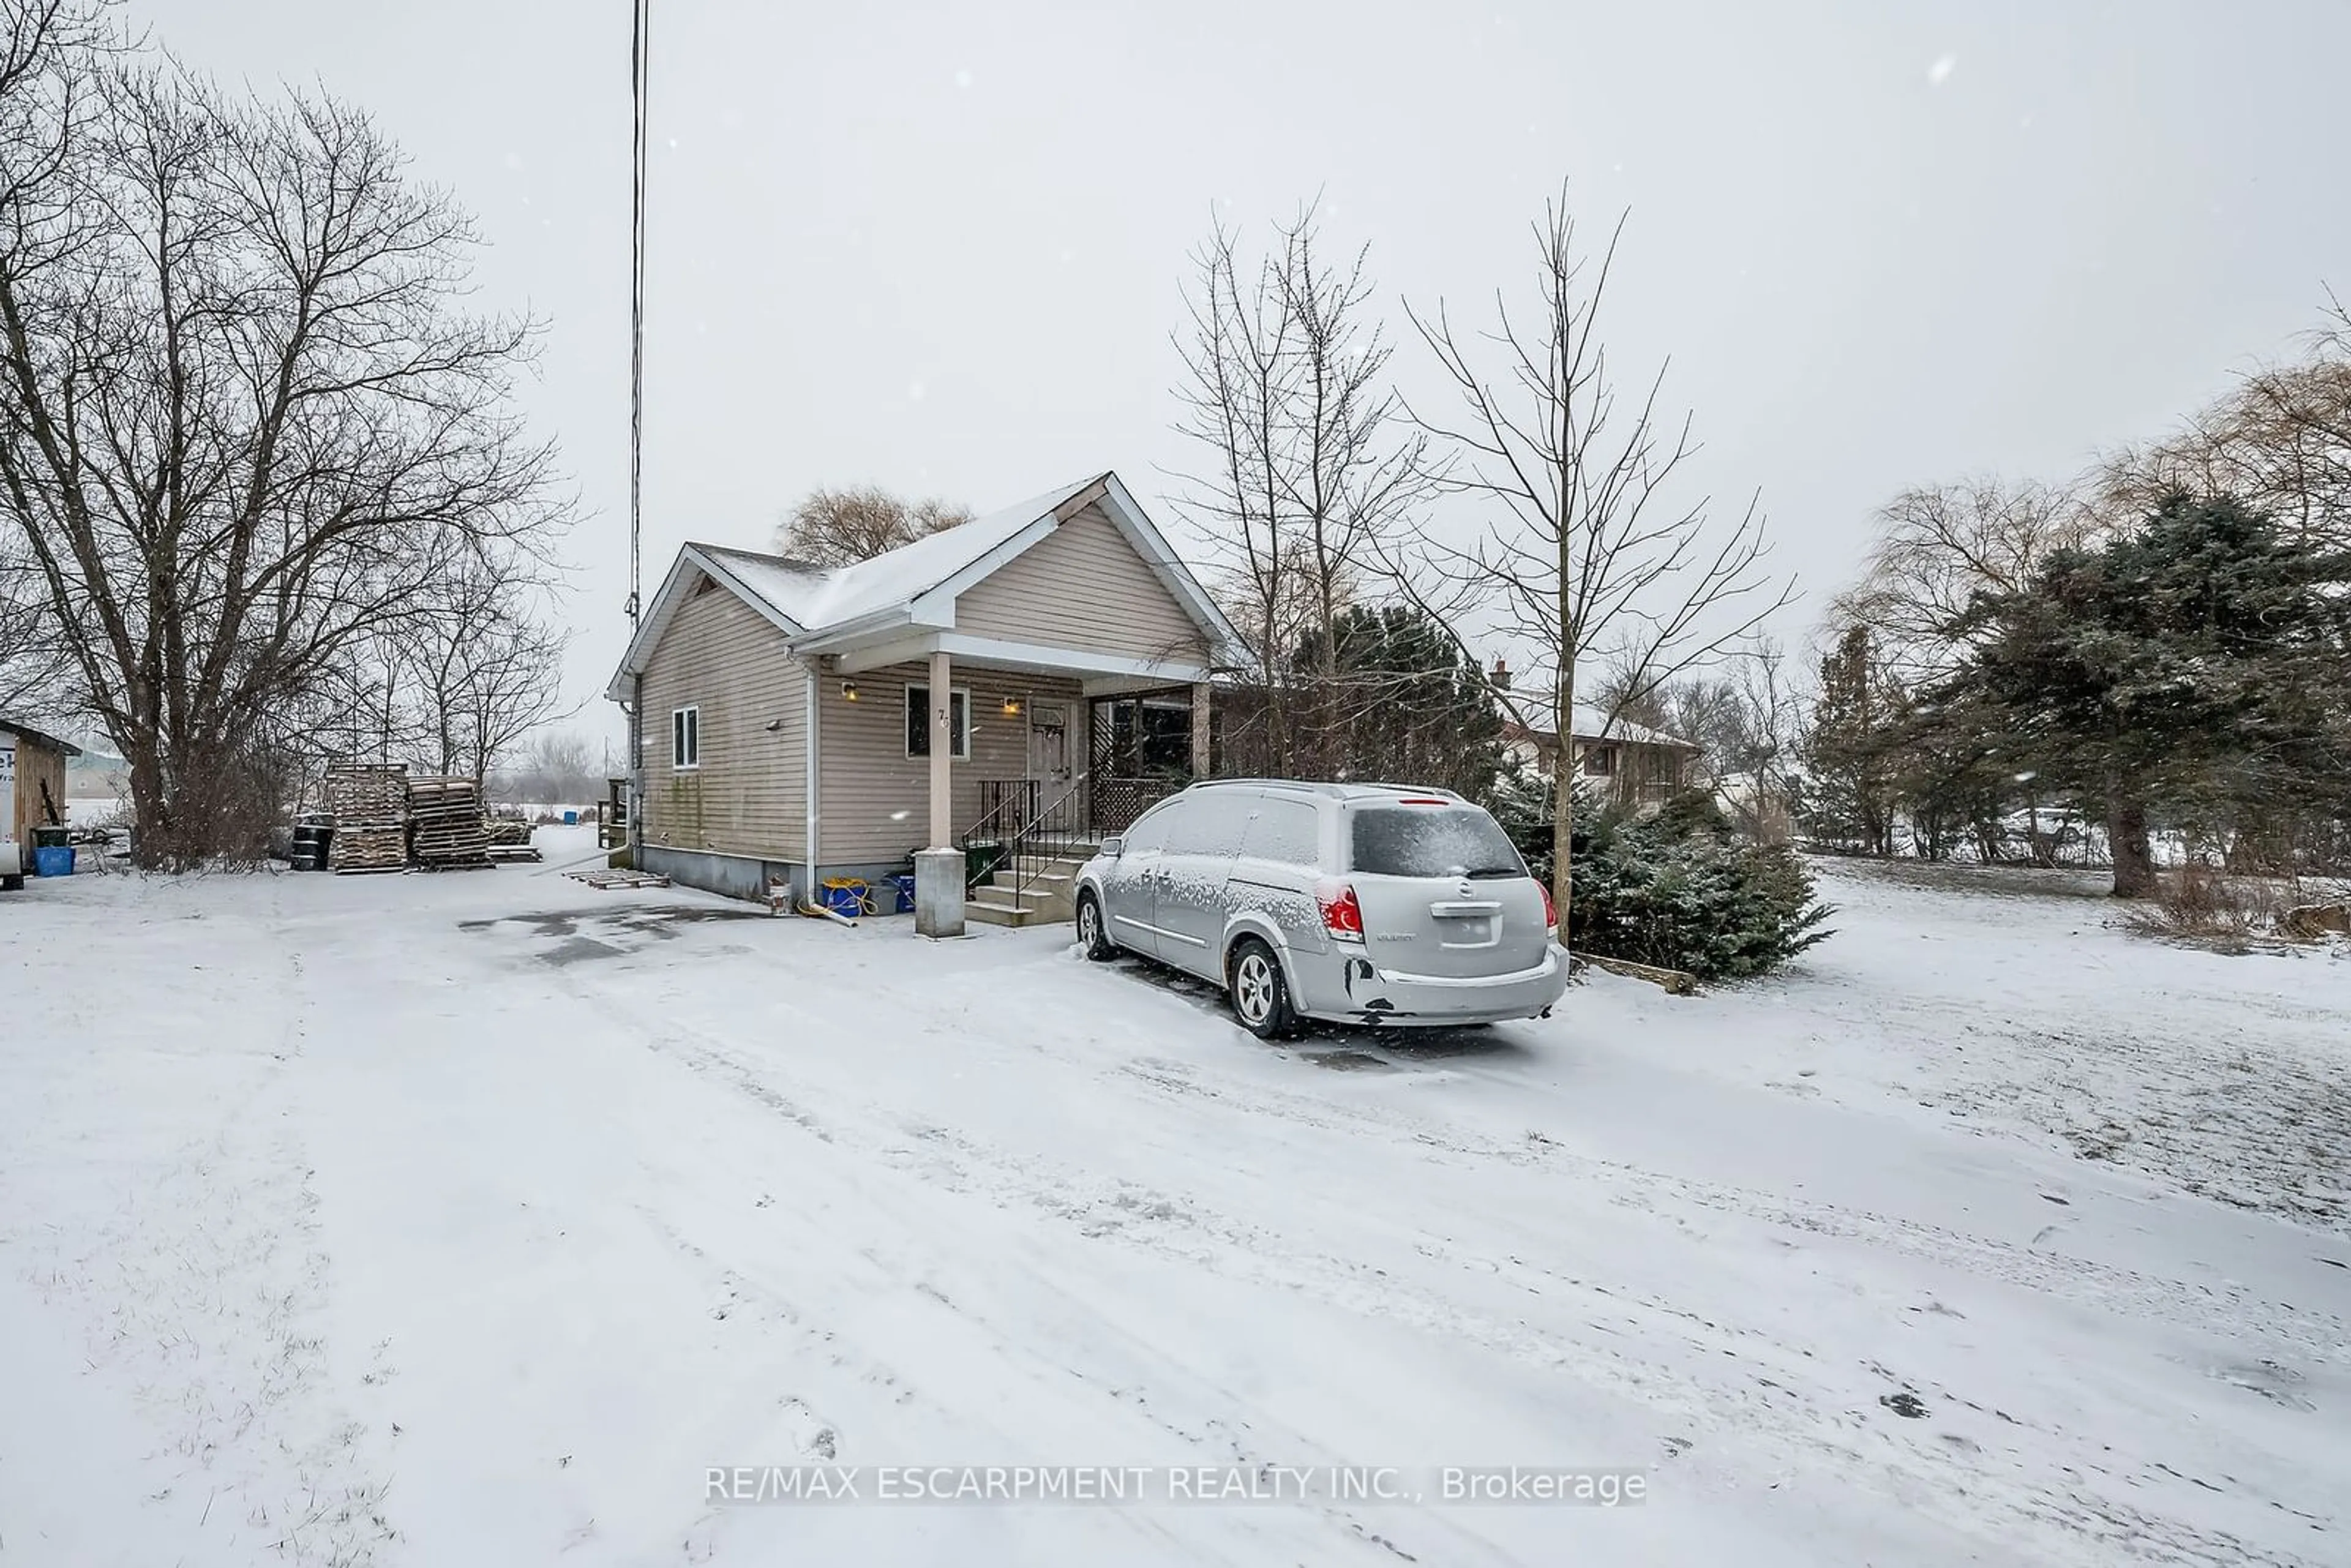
45, 111
1590, 553
475, 674
2279, 439
246, 427
560, 768
1308, 466
1939, 546
842, 527
30, 659
1240, 367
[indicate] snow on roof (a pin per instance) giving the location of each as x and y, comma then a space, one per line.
1593, 723
816, 597
38, 738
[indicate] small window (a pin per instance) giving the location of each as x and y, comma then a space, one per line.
1286, 831
685, 739
918, 721
1600, 761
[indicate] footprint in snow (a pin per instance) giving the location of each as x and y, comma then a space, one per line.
2273, 1381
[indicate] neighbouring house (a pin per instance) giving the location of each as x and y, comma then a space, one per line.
1760, 806
32, 785
1045, 667
1625, 762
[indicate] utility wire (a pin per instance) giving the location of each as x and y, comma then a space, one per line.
640, 56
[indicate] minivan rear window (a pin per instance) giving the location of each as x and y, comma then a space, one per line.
1431, 840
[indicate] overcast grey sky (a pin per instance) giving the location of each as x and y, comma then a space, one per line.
940, 246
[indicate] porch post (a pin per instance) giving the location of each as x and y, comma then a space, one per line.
942, 754
939, 869
1200, 754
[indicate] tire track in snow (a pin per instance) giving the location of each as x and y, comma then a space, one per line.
1768, 1392
2323, 1338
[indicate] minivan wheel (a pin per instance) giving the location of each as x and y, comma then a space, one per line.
1093, 940
1261, 996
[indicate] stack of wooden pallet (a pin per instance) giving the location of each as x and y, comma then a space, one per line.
447, 828
371, 808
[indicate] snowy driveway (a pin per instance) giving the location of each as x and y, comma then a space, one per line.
473, 1219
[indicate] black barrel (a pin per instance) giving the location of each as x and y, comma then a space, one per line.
309, 847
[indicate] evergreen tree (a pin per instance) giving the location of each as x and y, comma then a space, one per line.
1851, 795
2199, 668
1403, 704
1674, 887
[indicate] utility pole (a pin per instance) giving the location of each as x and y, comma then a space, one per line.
640, 84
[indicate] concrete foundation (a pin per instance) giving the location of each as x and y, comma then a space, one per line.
733, 876
745, 876
938, 892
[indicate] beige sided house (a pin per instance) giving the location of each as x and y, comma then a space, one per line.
1024, 683
1626, 762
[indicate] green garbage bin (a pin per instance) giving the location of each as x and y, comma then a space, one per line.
49, 838
980, 860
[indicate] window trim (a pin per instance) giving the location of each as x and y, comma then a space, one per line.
683, 720
962, 754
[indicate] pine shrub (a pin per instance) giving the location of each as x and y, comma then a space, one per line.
1675, 889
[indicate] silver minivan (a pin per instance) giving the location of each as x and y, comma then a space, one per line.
1369, 904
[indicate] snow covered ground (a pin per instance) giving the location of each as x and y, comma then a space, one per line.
473, 1218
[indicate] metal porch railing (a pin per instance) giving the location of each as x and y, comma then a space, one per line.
1024, 831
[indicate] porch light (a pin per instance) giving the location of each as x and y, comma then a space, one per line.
849, 691
1012, 707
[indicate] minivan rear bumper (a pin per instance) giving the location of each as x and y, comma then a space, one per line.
1365, 993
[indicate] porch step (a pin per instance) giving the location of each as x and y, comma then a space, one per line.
1048, 904
1006, 910
1057, 883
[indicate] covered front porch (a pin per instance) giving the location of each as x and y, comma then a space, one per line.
1021, 756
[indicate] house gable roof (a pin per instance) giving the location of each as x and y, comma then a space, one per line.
915, 585
1592, 723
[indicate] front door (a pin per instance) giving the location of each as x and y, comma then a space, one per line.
1049, 749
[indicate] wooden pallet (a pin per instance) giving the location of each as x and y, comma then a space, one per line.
609, 878
448, 827
501, 854
362, 796
373, 846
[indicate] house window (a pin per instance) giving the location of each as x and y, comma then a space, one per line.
918, 721
1600, 761
685, 739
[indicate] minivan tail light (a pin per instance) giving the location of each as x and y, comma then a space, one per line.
1550, 913
1342, 917
1422, 801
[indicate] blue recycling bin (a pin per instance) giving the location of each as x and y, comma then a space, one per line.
571, 819
52, 860
845, 895
904, 883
